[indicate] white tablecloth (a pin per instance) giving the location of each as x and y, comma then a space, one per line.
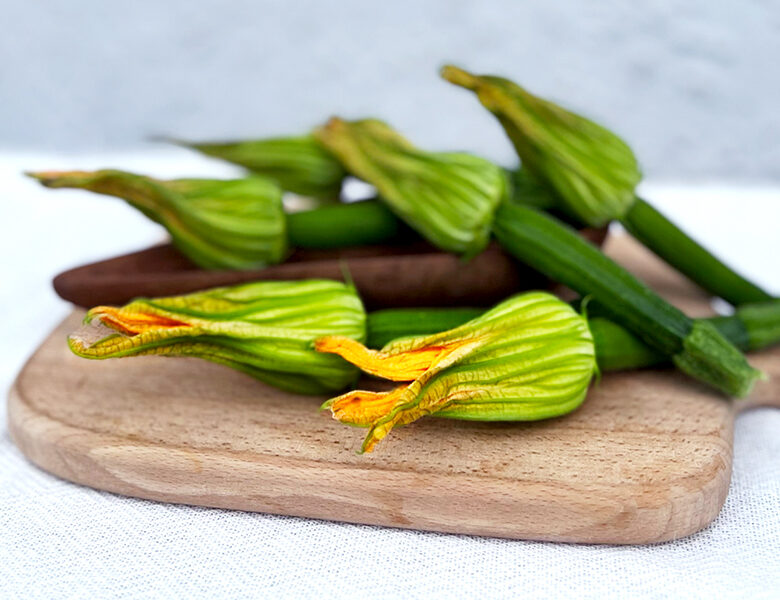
60, 540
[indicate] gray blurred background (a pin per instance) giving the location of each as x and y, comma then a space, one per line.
693, 85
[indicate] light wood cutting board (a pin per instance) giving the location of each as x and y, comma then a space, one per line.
646, 459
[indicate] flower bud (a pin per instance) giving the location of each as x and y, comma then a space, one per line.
449, 198
526, 190
265, 329
218, 224
298, 164
588, 167
531, 357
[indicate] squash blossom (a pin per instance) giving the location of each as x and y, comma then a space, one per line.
591, 169
218, 224
265, 329
587, 171
448, 197
531, 357
298, 164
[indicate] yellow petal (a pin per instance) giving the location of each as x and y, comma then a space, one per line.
133, 323
530, 357
362, 408
381, 411
403, 405
401, 366
409, 407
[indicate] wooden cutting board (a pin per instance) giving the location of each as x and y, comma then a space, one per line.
647, 458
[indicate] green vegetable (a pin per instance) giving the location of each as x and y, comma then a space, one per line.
430, 196
556, 250
449, 198
298, 164
384, 326
761, 323
237, 224
265, 329
531, 357
616, 347
674, 246
590, 169
338, 225
592, 174
527, 190
218, 224
751, 327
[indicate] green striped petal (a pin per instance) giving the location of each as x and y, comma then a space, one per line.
218, 224
298, 164
449, 198
265, 329
588, 167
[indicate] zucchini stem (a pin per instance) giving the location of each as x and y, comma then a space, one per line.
350, 224
669, 242
555, 250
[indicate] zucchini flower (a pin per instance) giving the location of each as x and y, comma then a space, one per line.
218, 224
591, 169
531, 357
751, 327
265, 329
298, 164
449, 198
590, 173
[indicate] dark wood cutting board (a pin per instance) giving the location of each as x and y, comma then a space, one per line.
413, 274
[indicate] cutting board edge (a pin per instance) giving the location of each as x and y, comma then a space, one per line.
684, 512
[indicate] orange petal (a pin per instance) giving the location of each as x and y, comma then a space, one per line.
403, 366
403, 413
362, 408
133, 323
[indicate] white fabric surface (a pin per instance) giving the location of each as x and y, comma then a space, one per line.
60, 540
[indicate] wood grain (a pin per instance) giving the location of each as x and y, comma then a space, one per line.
647, 458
